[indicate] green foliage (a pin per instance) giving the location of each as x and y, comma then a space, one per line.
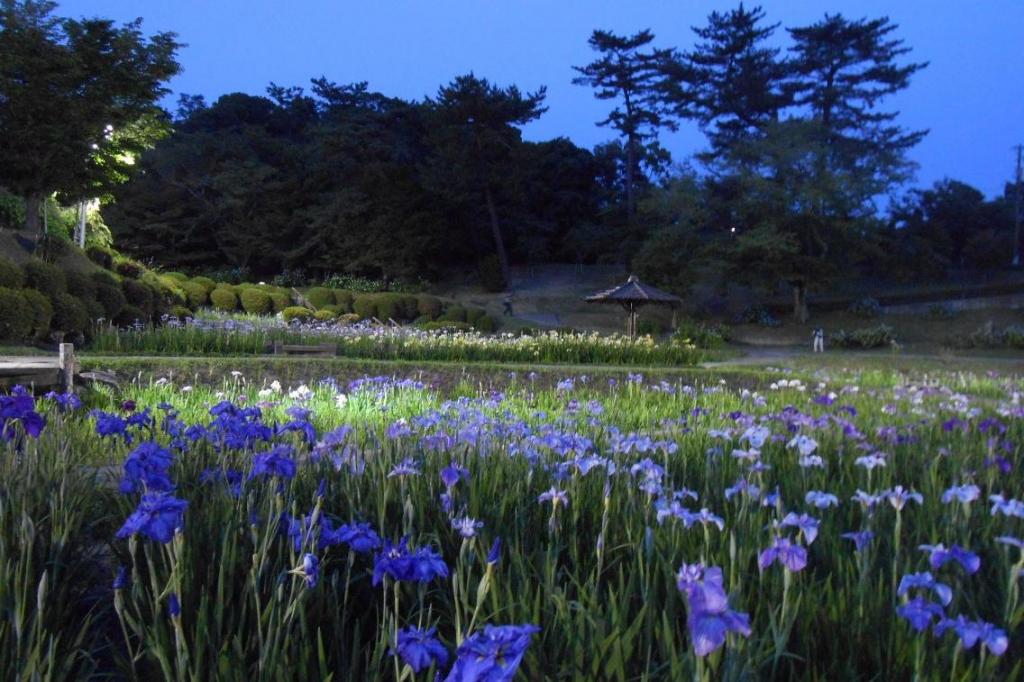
485, 324
347, 318
181, 312
344, 299
196, 292
474, 314
320, 296
12, 211
941, 311
126, 267
206, 283
647, 326
177, 276
296, 312
139, 295
11, 274
365, 306
454, 313
131, 315
80, 284
111, 298
448, 325
15, 315
256, 301
224, 299
41, 312
105, 278
700, 334
53, 246
45, 277
880, 336
428, 306
279, 301
334, 310
101, 255
291, 277
94, 309
759, 315
867, 307
70, 314
323, 315
491, 277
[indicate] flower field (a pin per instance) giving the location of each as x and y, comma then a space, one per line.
621, 528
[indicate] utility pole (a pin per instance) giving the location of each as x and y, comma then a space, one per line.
1016, 213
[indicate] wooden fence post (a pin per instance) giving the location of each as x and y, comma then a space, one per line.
66, 363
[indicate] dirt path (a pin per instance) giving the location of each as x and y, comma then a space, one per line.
755, 356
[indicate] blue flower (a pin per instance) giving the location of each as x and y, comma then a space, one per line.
397, 562
920, 613
965, 494
452, 474
861, 539
66, 402
790, 555
360, 537
147, 466
19, 408
972, 632
554, 496
821, 500
122, 579
808, 525
277, 462
940, 555
407, 467
309, 570
927, 582
156, 517
493, 655
710, 619
420, 648
466, 526
173, 605
494, 556
110, 425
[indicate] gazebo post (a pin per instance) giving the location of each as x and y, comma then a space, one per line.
631, 296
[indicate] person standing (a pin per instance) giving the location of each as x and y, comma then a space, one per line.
507, 305
819, 340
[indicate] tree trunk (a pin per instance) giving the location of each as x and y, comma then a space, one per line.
800, 313
499, 243
630, 162
32, 203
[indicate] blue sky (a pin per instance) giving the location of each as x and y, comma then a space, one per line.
971, 97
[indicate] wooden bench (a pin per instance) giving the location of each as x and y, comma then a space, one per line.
321, 350
41, 370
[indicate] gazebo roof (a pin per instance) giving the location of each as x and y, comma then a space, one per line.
634, 291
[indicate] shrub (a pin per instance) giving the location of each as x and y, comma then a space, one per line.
486, 324
256, 301
348, 318
491, 277
111, 298
279, 301
649, 327
454, 313
868, 308
181, 312
197, 294
101, 278
101, 256
365, 306
323, 315
1013, 336
223, 298
46, 278
428, 306
81, 285
69, 314
291, 278
52, 246
865, 337
205, 282
448, 325
758, 314
344, 299
177, 276
166, 288
334, 310
130, 315
320, 296
15, 315
94, 309
11, 274
474, 314
700, 334
297, 312
138, 295
392, 306
42, 312
126, 267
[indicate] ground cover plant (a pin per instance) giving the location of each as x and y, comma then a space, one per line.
606, 527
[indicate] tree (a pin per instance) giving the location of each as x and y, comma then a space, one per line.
731, 83
78, 101
626, 71
476, 131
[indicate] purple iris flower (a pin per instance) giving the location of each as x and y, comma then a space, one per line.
972, 632
821, 500
861, 539
554, 496
925, 581
420, 648
360, 537
492, 655
1006, 507
898, 497
920, 613
147, 467
66, 402
790, 555
122, 579
452, 474
156, 517
466, 526
807, 524
309, 570
277, 462
494, 556
965, 494
173, 605
398, 562
19, 408
940, 555
407, 467
709, 619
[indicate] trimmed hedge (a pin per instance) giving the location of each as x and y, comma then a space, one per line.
428, 306
454, 313
447, 325
279, 301
256, 301
80, 285
138, 295
11, 274
320, 296
42, 312
205, 282
348, 318
365, 306
129, 315
196, 293
323, 315
344, 298
102, 277
297, 312
111, 298
69, 314
45, 277
126, 267
101, 256
223, 298
486, 324
15, 315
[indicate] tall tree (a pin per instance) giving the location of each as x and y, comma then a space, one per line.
476, 131
629, 71
78, 101
732, 83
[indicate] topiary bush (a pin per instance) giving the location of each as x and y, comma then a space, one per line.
94, 309
205, 282
111, 298
279, 301
45, 277
223, 298
344, 298
196, 294
320, 296
126, 267
70, 315
865, 337
138, 295
323, 315
52, 246
11, 274
428, 306
365, 306
297, 312
181, 312
334, 310
454, 313
81, 285
486, 324
348, 318
41, 312
474, 314
256, 301
15, 315
759, 315
130, 315
177, 276
105, 278
101, 256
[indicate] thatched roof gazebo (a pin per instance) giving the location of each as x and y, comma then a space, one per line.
632, 295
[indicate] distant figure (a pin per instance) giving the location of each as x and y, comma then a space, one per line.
507, 305
819, 340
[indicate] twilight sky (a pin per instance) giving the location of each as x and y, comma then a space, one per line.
971, 97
